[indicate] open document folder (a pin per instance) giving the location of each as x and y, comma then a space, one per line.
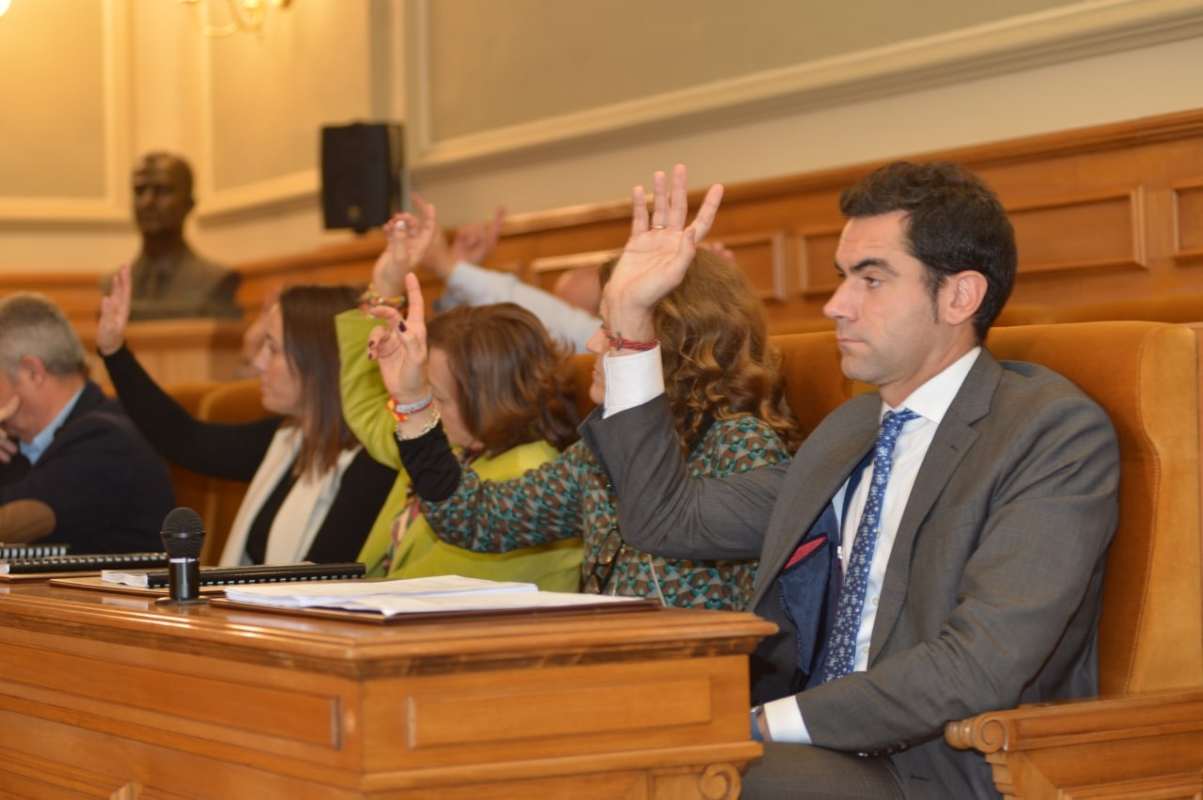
415, 595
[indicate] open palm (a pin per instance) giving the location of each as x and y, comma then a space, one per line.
114, 313
659, 250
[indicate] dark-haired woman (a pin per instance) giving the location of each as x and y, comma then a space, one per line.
497, 381
314, 493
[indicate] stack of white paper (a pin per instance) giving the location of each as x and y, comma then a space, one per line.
415, 595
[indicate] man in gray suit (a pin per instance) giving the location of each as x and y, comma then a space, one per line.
935, 549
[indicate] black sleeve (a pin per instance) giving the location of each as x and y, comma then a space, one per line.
364, 488
431, 465
231, 451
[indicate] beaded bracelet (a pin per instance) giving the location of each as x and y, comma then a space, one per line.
371, 297
403, 411
619, 343
427, 428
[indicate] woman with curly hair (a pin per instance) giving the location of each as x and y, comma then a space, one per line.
728, 403
498, 383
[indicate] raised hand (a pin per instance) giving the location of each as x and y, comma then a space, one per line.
114, 313
474, 241
658, 253
399, 346
409, 237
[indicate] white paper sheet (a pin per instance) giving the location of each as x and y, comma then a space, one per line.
415, 595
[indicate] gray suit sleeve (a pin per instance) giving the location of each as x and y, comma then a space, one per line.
1027, 595
664, 511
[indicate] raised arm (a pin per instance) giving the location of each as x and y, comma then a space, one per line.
410, 237
661, 509
657, 254
224, 451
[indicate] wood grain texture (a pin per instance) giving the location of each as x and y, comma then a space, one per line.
112, 695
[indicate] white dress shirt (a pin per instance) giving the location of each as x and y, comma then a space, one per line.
632, 380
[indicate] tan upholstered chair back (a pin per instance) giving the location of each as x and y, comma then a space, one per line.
1178, 307
238, 401
1146, 377
191, 489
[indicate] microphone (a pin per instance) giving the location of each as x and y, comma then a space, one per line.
183, 535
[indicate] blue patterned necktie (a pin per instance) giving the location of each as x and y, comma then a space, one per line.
841, 645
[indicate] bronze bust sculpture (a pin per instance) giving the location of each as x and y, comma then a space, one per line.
169, 278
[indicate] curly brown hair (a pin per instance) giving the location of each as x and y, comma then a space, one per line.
718, 362
510, 381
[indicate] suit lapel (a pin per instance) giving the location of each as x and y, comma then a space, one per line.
952, 441
819, 470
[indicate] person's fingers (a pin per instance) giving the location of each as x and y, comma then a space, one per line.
386, 313
493, 229
678, 200
424, 208
659, 200
638, 210
706, 213
416, 312
10, 407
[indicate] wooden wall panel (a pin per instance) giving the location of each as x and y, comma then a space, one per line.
763, 257
1084, 233
1188, 221
816, 258
1105, 214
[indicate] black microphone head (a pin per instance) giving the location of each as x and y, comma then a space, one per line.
183, 533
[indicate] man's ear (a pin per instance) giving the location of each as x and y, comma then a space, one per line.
962, 295
32, 369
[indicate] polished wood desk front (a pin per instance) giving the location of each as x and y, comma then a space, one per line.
112, 696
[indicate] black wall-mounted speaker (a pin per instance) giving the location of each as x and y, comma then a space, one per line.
362, 164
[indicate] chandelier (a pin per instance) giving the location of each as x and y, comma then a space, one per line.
240, 15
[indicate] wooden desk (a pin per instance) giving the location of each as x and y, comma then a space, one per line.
112, 696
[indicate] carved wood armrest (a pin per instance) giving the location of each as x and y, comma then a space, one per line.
1146, 745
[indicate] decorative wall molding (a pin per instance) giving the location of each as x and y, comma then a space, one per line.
214, 204
816, 261
294, 189
1099, 231
762, 255
1085, 29
112, 209
1188, 221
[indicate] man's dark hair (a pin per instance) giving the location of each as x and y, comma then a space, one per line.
954, 223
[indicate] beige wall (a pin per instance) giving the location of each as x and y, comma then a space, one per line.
534, 103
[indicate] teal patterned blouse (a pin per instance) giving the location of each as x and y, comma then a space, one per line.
570, 496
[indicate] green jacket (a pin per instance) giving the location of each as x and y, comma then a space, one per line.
555, 566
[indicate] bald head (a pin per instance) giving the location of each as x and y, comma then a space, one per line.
162, 187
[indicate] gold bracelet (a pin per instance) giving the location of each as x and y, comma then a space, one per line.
427, 428
371, 297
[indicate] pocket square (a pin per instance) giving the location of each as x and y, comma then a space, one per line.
805, 549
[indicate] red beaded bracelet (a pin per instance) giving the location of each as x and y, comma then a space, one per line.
619, 343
